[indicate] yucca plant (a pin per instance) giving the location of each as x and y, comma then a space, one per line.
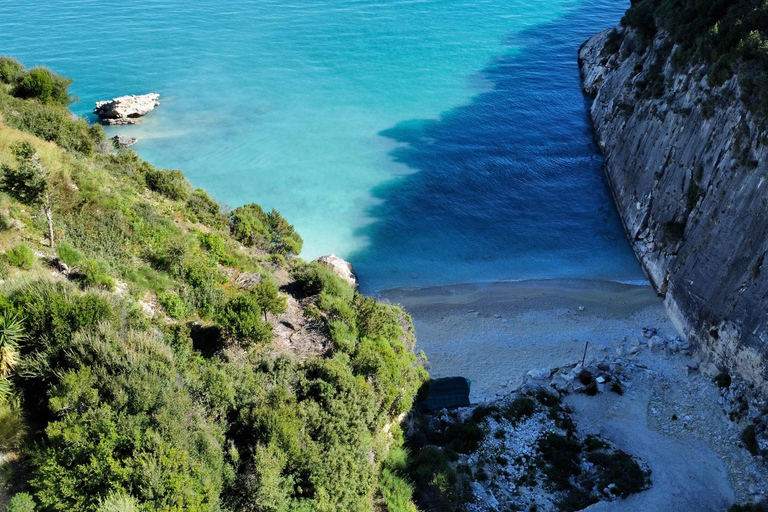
11, 334
5, 390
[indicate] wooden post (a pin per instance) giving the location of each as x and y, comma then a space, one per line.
585, 354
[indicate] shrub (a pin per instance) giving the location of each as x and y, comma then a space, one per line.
464, 436
69, 255
241, 318
619, 469
171, 184
267, 231
562, 456
52, 123
723, 380
174, 306
205, 210
314, 278
20, 256
10, 70
750, 507
249, 226
96, 274
520, 408
749, 438
21, 502
44, 85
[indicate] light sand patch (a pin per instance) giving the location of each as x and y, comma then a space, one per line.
494, 333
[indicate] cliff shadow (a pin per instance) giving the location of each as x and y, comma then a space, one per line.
508, 186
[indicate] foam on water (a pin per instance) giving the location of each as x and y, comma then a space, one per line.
430, 141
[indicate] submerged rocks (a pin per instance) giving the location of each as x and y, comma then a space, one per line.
341, 268
126, 109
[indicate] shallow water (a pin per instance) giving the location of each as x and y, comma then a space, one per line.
429, 141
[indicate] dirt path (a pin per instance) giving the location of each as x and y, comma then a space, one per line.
686, 476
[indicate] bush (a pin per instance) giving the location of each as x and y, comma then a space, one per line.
21, 502
51, 122
171, 184
44, 85
10, 70
464, 436
562, 456
266, 231
69, 255
619, 469
96, 274
174, 306
749, 438
520, 408
203, 209
723, 380
241, 319
750, 507
20, 256
314, 278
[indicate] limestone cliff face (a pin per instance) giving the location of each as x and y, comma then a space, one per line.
688, 166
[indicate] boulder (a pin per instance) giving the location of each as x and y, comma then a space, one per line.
341, 268
126, 109
124, 141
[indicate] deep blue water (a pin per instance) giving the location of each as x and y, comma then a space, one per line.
509, 186
428, 141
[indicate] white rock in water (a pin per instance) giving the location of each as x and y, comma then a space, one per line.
341, 268
125, 109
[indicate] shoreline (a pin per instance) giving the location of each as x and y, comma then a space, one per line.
493, 333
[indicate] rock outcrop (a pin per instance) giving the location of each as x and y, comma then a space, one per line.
124, 141
126, 109
688, 164
340, 267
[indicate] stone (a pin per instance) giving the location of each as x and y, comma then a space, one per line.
341, 268
125, 109
539, 374
124, 141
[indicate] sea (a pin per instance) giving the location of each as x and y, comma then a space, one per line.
429, 142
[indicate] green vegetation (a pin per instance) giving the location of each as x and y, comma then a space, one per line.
20, 256
723, 380
750, 507
137, 373
575, 471
749, 438
730, 37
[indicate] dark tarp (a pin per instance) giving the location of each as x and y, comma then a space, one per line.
446, 393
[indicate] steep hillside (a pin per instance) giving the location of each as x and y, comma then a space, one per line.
159, 354
679, 112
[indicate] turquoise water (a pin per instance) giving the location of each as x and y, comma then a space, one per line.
429, 141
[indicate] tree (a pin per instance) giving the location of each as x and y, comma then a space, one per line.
285, 240
29, 182
268, 299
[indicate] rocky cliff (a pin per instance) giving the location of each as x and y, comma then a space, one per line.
687, 165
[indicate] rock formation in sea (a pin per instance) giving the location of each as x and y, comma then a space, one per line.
126, 109
687, 163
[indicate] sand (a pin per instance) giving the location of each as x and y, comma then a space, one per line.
494, 333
